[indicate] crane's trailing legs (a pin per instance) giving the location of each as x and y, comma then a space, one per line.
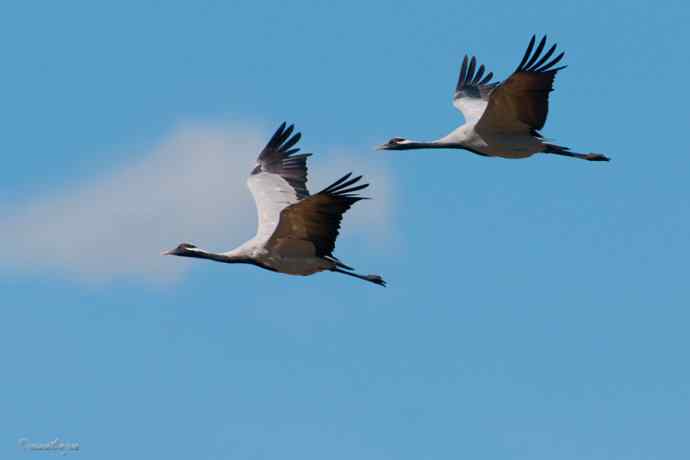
565, 151
376, 279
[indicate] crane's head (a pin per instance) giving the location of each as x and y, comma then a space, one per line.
397, 143
184, 249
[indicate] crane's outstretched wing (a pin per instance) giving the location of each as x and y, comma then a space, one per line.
472, 91
311, 225
520, 104
279, 179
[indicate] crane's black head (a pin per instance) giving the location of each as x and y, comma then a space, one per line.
184, 249
397, 143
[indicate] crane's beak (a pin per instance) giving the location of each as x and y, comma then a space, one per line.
168, 253
382, 147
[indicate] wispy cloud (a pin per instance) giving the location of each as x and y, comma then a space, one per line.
190, 187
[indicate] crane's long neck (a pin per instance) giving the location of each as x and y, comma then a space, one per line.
225, 258
438, 144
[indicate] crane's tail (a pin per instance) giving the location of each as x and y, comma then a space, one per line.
565, 151
376, 279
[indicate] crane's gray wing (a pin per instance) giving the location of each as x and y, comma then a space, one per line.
472, 91
279, 179
520, 104
310, 226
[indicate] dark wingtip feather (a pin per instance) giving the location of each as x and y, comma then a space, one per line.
471, 76
553, 62
463, 74
345, 186
528, 51
356, 188
534, 61
342, 186
278, 132
536, 53
337, 183
488, 78
287, 133
479, 74
278, 157
545, 57
470, 71
291, 141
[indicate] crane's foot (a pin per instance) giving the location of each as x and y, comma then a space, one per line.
596, 157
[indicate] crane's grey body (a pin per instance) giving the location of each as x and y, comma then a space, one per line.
489, 143
272, 193
296, 231
502, 119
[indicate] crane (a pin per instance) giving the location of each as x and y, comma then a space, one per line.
503, 119
296, 231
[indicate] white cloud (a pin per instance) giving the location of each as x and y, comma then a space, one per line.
190, 187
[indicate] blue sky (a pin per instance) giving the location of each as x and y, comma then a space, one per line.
536, 308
